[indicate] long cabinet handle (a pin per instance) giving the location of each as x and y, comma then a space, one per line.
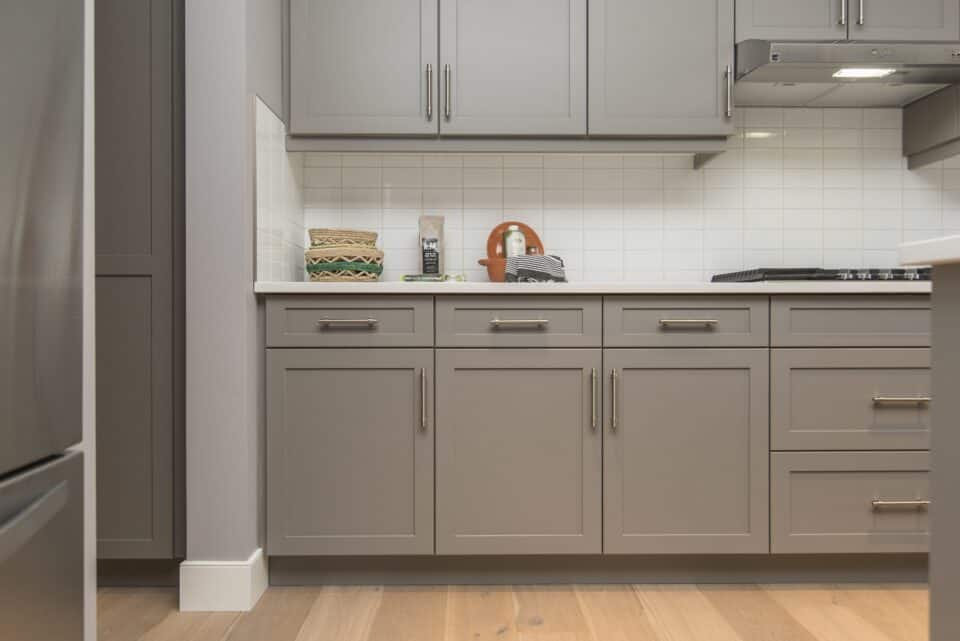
429, 92
884, 504
325, 323
613, 400
728, 76
537, 323
705, 323
901, 400
423, 399
843, 13
593, 399
447, 89
861, 17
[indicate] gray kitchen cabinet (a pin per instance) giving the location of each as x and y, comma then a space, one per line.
661, 68
686, 451
850, 502
139, 266
513, 68
917, 20
364, 67
518, 451
346, 475
792, 19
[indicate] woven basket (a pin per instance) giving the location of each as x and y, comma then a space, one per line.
349, 264
342, 238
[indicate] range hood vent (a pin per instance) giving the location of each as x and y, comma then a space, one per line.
804, 74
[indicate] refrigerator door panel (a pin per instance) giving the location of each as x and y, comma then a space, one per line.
41, 552
41, 201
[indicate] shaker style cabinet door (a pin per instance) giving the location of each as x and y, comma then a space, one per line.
366, 67
661, 68
513, 67
518, 451
685, 451
346, 475
792, 19
898, 20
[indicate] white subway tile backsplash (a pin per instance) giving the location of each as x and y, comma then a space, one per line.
821, 187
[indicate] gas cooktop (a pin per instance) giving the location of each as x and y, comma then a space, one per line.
816, 273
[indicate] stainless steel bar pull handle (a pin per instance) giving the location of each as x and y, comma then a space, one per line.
593, 399
423, 399
728, 74
534, 323
843, 13
447, 90
613, 400
860, 17
429, 92
890, 504
325, 323
901, 400
705, 323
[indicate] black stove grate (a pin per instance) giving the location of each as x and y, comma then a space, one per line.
816, 273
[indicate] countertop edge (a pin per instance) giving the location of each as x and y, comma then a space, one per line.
936, 251
626, 288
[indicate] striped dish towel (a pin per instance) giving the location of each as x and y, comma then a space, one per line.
535, 269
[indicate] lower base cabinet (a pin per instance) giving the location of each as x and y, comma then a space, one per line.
349, 451
850, 502
518, 451
686, 449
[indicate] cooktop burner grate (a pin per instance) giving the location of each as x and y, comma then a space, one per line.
817, 273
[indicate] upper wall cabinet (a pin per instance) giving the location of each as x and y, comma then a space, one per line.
363, 67
899, 20
515, 67
661, 68
918, 20
791, 19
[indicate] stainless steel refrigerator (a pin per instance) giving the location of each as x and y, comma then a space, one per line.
41, 205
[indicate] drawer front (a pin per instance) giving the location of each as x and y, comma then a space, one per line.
497, 321
850, 399
849, 502
350, 321
850, 321
686, 321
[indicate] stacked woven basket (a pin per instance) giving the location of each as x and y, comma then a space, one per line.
343, 255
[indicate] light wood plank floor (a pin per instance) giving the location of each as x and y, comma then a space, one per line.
533, 613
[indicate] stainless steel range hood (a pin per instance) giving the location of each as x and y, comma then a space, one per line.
801, 74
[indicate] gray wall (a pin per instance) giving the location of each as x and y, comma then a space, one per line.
230, 56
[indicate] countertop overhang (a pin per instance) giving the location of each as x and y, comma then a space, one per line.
937, 251
612, 288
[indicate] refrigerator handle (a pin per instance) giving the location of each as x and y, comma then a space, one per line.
17, 531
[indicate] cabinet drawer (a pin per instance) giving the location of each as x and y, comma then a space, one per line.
850, 321
849, 502
685, 321
850, 399
498, 321
350, 321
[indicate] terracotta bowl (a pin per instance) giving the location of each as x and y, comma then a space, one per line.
495, 262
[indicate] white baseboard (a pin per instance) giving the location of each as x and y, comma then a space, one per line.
223, 586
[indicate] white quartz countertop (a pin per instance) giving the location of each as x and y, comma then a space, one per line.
808, 287
937, 251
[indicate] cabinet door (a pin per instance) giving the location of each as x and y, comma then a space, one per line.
659, 68
516, 67
518, 451
792, 19
686, 451
138, 318
361, 67
899, 20
346, 475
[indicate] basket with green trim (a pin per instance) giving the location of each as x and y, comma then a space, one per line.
355, 263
